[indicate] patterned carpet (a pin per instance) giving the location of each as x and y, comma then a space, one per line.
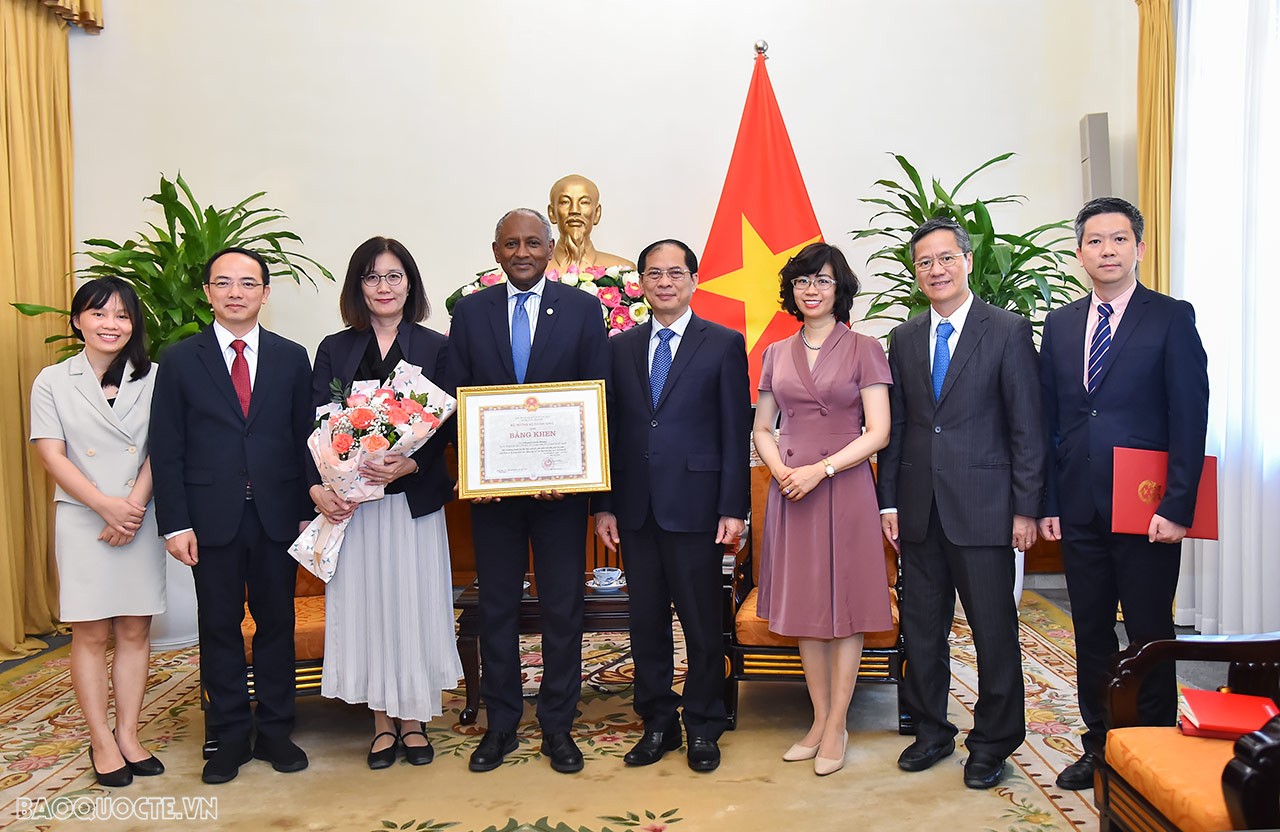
44, 767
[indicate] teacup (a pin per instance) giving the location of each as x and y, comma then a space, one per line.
606, 575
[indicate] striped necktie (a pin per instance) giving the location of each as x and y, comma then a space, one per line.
1099, 345
661, 365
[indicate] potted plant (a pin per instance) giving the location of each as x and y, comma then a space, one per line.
165, 265
1020, 272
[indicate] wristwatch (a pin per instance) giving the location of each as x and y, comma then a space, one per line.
828, 468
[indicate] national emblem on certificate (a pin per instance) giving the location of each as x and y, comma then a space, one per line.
522, 439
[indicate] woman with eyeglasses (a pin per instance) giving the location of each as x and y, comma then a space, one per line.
822, 573
90, 417
389, 638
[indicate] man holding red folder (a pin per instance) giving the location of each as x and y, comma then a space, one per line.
1121, 367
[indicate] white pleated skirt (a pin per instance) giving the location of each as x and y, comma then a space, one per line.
389, 638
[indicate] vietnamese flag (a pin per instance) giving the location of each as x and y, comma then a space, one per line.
763, 219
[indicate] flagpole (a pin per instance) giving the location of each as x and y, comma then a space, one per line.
762, 46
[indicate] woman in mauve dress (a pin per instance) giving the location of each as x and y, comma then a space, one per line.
822, 576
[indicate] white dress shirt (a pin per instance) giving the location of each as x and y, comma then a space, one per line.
250, 339
532, 305
956, 319
678, 327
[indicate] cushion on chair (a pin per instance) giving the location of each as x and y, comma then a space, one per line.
1180, 776
308, 628
754, 631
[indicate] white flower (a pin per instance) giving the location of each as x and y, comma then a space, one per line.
588, 286
639, 312
469, 288
631, 276
612, 271
569, 278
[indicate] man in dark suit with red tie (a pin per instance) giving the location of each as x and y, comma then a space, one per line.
229, 423
680, 429
1121, 367
528, 330
961, 481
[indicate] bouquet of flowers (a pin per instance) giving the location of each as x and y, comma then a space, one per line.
371, 420
621, 298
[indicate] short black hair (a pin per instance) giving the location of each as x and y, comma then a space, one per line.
690, 259
810, 260
1110, 205
261, 261
354, 308
96, 294
941, 224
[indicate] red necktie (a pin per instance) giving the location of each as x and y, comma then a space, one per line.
240, 375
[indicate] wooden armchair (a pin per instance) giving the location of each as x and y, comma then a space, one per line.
755, 654
1155, 778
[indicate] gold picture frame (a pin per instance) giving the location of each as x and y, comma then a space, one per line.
522, 439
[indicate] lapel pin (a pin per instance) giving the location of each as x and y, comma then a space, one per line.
551, 311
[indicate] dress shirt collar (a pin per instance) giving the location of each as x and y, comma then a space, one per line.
1117, 306
678, 326
956, 318
225, 337
537, 288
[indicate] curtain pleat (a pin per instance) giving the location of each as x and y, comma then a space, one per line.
87, 14
1155, 134
35, 266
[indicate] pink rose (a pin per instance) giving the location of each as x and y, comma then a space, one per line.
342, 442
397, 415
553, 275
357, 399
375, 442
633, 290
610, 296
596, 271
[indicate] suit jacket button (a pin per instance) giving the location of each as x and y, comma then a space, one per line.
89, 452
823, 451
646, 454
791, 411
130, 483
132, 450
790, 451
823, 411
654, 423
937, 428
1093, 413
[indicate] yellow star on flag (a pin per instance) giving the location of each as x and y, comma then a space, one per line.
756, 283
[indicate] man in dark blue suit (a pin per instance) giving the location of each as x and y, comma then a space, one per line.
528, 330
229, 424
680, 430
1121, 367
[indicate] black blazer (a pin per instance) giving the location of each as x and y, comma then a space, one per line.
979, 450
338, 357
1153, 394
688, 458
204, 451
569, 344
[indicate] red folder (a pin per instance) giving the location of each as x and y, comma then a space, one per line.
1138, 487
1226, 716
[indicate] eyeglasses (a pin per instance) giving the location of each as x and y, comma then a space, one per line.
924, 264
222, 284
804, 281
393, 279
676, 273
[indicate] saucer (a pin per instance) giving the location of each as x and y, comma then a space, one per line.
617, 585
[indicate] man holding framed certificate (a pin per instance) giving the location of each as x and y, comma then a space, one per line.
529, 331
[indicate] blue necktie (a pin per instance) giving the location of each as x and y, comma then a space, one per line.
521, 341
941, 357
1099, 345
661, 365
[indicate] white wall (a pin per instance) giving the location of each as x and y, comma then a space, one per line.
426, 121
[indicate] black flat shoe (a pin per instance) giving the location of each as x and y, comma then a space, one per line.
225, 763
922, 755
493, 747
149, 767
387, 756
418, 755
982, 771
114, 779
565, 755
703, 754
652, 746
283, 754
1079, 775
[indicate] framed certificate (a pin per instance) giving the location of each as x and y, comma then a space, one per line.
520, 439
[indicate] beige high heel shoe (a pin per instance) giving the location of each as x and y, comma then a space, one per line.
822, 766
798, 752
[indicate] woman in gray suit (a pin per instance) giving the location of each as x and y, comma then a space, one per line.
89, 420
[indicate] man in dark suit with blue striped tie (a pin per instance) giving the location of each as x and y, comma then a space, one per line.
1121, 367
964, 470
528, 330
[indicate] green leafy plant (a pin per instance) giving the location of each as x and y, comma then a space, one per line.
165, 265
1020, 272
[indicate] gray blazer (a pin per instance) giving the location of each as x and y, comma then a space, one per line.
979, 450
107, 443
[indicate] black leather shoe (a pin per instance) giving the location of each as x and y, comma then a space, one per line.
492, 748
652, 746
385, 758
225, 763
982, 771
564, 753
921, 755
1079, 775
704, 754
115, 779
418, 755
281, 753
149, 767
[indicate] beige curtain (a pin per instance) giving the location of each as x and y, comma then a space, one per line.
1155, 134
35, 265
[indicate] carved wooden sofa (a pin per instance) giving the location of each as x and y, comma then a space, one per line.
755, 654
1155, 778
